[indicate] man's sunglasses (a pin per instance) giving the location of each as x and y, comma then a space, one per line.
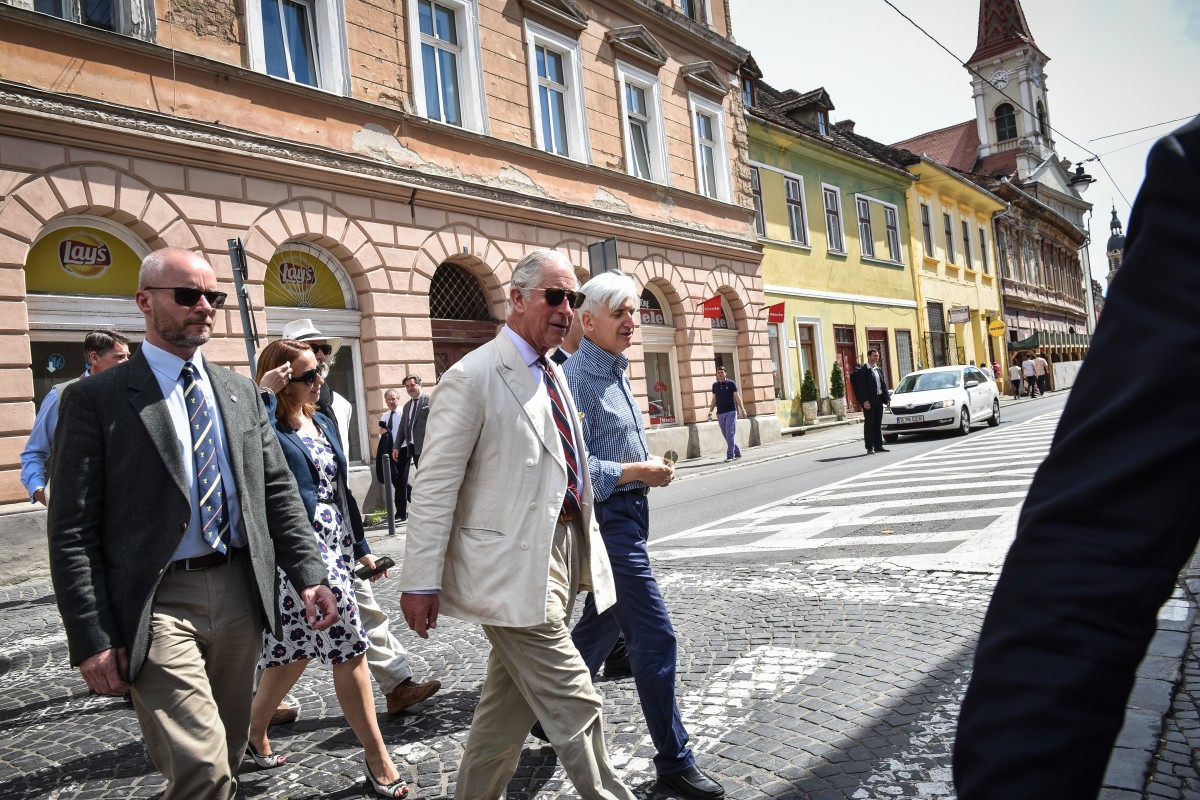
308, 376
325, 349
189, 297
555, 297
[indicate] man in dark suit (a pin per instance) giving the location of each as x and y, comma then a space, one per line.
1107, 525
416, 413
870, 385
170, 516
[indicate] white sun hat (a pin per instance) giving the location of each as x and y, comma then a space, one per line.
303, 330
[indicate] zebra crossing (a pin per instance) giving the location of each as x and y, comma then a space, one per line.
955, 507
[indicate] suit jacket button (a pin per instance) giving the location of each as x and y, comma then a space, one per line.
529, 462
183, 527
524, 545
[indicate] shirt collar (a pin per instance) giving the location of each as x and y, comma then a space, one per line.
602, 358
527, 351
168, 364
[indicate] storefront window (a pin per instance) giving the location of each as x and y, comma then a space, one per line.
776, 360
661, 389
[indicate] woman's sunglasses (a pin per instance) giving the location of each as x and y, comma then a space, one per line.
554, 297
188, 297
308, 376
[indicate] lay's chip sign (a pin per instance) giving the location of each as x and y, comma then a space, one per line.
84, 255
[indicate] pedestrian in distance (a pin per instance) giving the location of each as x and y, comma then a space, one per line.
316, 460
1030, 373
513, 561
415, 418
622, 474
727, 402
1041, 370
102, 349
1106, 527
390, 444
870, 385
1014, 377
168, 523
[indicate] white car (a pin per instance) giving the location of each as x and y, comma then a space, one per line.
942, 398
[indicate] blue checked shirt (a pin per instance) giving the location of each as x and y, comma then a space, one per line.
612, 422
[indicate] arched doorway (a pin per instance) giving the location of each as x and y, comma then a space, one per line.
460, 317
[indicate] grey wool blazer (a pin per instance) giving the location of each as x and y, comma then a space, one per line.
121, 504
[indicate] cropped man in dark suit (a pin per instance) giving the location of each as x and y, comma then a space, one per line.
170, 517
1108, 523
870, 386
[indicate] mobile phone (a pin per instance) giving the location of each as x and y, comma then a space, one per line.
381, 565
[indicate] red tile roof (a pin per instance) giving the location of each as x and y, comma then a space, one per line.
1002, 27
955, 146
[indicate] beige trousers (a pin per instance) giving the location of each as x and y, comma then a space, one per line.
193, 694
537, 674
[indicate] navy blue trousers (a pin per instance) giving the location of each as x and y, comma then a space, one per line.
642, 617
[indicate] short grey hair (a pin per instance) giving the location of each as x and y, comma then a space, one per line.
608, 290
528, 271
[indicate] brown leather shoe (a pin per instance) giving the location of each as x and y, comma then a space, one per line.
410, 693
284, 714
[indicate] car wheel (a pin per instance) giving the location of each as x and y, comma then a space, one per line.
964, 423
891, 437
994, 419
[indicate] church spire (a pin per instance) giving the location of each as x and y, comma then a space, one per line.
1002, 27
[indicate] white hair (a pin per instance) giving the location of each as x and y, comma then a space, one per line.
608, 290
527, 274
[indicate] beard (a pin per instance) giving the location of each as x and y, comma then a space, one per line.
177, 334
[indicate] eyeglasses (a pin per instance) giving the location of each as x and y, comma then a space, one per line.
188, 297
308, 376
324, 349
555, 297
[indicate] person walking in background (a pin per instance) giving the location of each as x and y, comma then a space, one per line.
1030, 374
622, 472
503, 417
1014, 377
102, 349
392, 422
1041, 370
315, 458
871, 388
728, 404
1106, 527
166, 530
414, 419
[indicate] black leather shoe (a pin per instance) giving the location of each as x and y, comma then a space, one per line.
692, 783
538, 732
882, 450
617, 663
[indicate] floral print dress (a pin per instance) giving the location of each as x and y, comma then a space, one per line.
347, 638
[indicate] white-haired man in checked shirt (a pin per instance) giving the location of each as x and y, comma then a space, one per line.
622, 472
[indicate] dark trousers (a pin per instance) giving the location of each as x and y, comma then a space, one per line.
872, 420
642, 617
1043, 382
402, 492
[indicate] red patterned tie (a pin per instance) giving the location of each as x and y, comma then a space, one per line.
563, 423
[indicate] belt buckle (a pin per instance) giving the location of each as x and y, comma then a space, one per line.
565, 516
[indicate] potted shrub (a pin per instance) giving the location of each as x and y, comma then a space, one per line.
837, 391
808, 398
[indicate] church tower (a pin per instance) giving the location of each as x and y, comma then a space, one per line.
1116, 247
1012, 112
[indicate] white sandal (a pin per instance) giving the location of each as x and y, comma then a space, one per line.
397, 788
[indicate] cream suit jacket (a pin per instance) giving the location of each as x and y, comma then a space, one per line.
489, 492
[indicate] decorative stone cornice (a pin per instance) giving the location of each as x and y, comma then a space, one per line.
565, 12
47, 108
637, 41
705, 75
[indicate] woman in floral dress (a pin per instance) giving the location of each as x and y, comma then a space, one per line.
315, 456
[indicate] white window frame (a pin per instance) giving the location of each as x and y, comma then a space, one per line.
866, 233
134, 18
579, 146
948, 235
966, 242
656, 141
837, 212
892, 232
470, 70
983, 250
705, 8
331, 53
799, 205
927, 230
698, 105
756, 192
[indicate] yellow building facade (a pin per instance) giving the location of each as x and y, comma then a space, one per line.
955, 280
837, 250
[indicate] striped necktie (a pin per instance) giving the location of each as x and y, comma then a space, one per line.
214, 518
563, 423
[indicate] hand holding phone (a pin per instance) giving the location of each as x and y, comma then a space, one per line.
382, 565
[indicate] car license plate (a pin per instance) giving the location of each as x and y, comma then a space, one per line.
907, 420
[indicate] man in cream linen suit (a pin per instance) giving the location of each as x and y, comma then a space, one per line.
501, 533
